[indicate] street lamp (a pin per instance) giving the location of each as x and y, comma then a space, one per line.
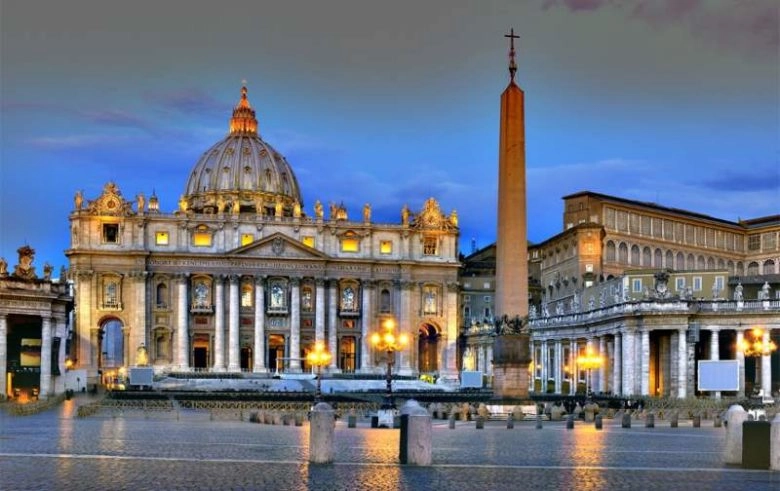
388, 341
758, 347
318, 357
589, 361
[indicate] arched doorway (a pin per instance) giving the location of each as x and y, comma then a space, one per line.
428, 349
276, 352
200, 351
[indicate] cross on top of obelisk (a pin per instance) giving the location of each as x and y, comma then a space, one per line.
512, 65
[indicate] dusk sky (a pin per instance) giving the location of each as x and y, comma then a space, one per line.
671, 102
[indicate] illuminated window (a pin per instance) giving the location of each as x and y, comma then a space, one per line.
430, 246
386, 247
306, 299
247, 292
161, 238
308, 240
201, 237
350, 243
247, 239
110, 233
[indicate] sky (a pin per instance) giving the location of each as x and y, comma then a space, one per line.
671, 102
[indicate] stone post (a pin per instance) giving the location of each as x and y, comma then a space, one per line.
321, 434
732, 451
416, 434
774, 444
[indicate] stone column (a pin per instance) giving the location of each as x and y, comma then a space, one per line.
45, 382
3, 356
488, 359
234, 361
219, 323
558, 364
545, 365
601, 383
404, 320
741, 361
333, 322
682, 364
295, 325
629, 363
766, 368
574, 369
644, 356
319, 311
259, 330
715, 351
449, 370
182, 334
367, 316
617, 364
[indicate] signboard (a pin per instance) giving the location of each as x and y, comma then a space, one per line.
470, 380
141, 376
717, 375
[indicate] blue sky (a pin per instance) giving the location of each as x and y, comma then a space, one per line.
672, 102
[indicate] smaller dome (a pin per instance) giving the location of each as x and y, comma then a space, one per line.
242, 173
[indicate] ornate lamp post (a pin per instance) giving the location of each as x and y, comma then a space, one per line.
589, 361
389, 341
318, 357
757, 347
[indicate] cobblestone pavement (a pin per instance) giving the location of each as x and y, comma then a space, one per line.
188, 450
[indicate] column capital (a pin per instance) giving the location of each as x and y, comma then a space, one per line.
320, 281
295, 281
260, 280
233, 278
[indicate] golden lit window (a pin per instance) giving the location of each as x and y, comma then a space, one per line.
110, 233
386, 247
161, 238
201, 237
247, 239
350, 244
430, 246
308, 240
247, 292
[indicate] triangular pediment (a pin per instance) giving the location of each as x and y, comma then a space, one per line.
278, 245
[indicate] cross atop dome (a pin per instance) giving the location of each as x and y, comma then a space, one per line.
512, 65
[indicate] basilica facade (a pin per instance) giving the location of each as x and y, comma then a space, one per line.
242, 278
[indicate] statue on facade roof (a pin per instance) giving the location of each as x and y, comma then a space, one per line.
738, 296
505, 325
318, 209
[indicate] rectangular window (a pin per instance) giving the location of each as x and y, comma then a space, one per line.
697, 283
247, 239
350, 245
110, 233
487, 298
385, 247
719, 283
636, 285
486, 285
430, 246
161, 238
679, 284
308, 240
201, 237
466, 298
588, 268
754, 242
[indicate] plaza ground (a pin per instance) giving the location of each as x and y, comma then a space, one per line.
188, 449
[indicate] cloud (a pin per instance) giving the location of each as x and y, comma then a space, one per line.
187, 101
119, 119
748, 26
70, 142
751, 179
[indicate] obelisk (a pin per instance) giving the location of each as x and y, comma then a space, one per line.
511, 353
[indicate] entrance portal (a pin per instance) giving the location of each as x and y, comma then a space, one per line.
428, 349
200, 351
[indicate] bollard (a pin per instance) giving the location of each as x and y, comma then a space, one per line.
570, 422
774, 444
598, 421
626, 420
538, 421
717, 422
416, 434
732, 450
351, 421
480, 422
697, 421
510, 422
675, 420
321, 434
650, 420
452, 421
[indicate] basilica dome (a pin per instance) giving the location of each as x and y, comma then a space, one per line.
242, 173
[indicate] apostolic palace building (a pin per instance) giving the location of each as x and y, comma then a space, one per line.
242, 277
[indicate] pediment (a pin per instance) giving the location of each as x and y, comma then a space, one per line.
278, 245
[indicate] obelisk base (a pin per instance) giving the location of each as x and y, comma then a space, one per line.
511, 359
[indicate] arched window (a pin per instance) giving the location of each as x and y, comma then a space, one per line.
647, 257
112, 349
769, 267
623, 254
700, 262
752, 269
385, 301
740, 271
307, 299
635, 255
710, 263
659, 259
690, 261
669, 260
161, 294
610, 251
680, 265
